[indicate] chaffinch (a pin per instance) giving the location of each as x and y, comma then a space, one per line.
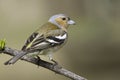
47, 39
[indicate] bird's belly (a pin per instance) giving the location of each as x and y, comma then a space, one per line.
52, 49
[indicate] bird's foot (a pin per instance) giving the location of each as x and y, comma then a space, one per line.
55, 62
56, 65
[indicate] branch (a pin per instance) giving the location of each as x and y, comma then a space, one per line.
44, 64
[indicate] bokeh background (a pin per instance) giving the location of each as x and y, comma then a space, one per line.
93, 48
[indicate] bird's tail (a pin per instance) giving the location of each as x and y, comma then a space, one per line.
15, 58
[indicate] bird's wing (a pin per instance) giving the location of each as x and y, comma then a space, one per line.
43, 41
32, 40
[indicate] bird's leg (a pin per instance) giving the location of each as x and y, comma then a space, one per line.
55, 65
55, 62
51, 59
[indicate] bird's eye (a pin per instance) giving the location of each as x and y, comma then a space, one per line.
63, 18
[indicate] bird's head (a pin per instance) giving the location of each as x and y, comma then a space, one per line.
61, 20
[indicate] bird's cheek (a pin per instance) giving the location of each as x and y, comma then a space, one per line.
64, 24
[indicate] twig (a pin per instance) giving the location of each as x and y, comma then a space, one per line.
44, 64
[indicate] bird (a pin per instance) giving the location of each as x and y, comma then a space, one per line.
46, 40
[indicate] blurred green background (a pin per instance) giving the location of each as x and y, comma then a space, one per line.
93, 48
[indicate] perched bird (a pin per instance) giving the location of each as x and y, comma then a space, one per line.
47, 39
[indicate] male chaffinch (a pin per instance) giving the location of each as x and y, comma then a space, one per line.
47, 39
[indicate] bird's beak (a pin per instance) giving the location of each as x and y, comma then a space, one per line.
71, 22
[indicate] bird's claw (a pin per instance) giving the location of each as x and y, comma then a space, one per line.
55, 62
56, 65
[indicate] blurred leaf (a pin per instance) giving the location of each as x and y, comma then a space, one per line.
2, 44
